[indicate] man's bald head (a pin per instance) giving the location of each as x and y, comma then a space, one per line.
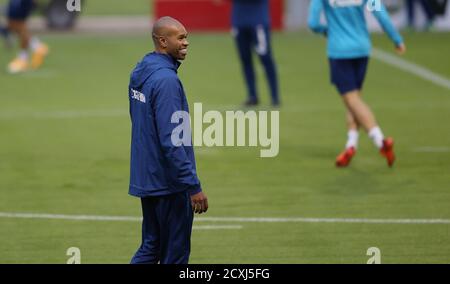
170, 37
165, 26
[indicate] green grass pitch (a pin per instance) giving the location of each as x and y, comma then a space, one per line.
64, 149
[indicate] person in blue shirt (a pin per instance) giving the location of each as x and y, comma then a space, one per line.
349, 48
163, 172
250, 20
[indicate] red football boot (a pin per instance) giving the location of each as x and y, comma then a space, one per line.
388, 151
345, 157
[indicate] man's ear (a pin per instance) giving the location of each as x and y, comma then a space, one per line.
163, 41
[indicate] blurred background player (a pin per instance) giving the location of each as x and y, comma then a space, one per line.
349, 48
250, 20
18, 13
427, 8
4, 31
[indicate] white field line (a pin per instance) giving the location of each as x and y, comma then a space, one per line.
64, 114
105, 218
69, 217
325, 220
411, 68
217, 227
230, 219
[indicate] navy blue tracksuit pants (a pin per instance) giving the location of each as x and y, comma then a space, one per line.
257, 39
166, 229
427, 8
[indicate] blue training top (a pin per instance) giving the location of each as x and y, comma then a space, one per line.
250, 13
346, 28
158, 167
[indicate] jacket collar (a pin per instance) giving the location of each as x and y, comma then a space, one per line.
172, 61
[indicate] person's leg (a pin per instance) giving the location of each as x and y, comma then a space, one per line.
353, 131
149, 251
243, 44
428, 9
345, 157
429, 13
176, 217
343, 76
18, 13
27, 42
21, 62
360, 69
19, 27
348, 75
363, 114
411, 12
5, 33
40, 51
263, 48
359, 110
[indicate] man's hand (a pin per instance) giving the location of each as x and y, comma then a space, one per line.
199, 203
401, 49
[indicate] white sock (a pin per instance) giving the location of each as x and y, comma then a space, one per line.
35, 43
352, 139
23, 54
377, 136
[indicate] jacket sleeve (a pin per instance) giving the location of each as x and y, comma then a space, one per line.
315, 10
168, 100
383, 18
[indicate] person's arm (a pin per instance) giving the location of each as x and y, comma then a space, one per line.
315, 10
168, 100
385, 22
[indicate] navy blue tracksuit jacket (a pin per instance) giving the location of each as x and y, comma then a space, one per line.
250, 13
162, 174
157, 166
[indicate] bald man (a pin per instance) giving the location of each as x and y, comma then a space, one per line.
163, 174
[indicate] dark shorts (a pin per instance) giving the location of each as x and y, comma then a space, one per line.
20, 9
348, 74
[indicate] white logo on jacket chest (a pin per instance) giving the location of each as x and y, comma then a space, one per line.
138, 96
345, 3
